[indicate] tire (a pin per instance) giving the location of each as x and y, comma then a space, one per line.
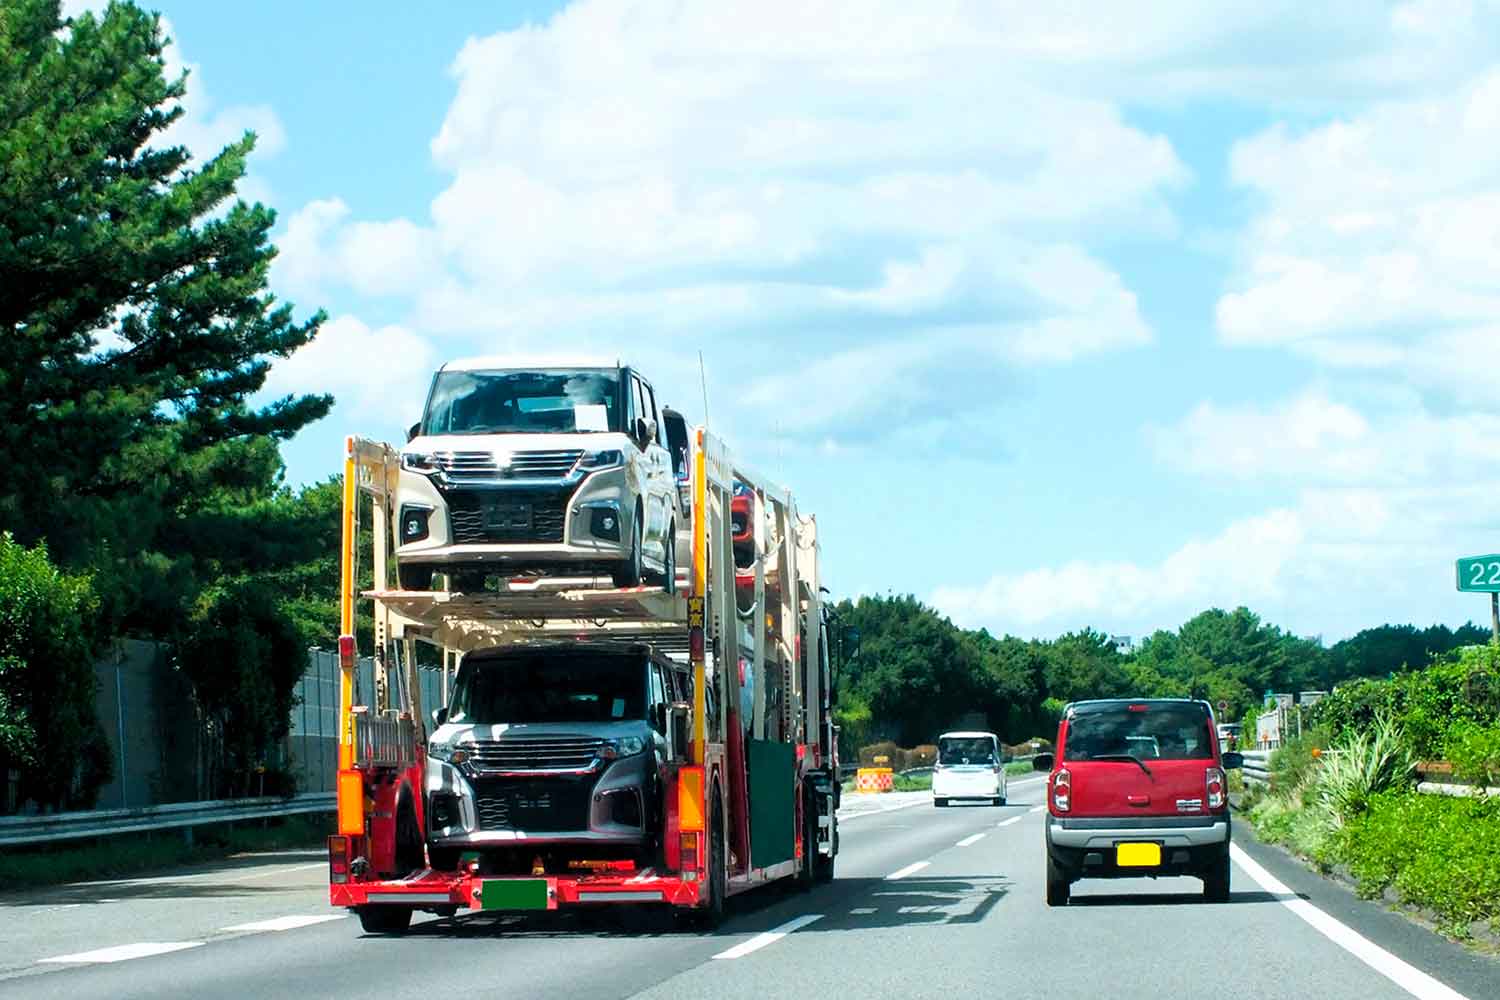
998, 800
940, 803
409, 855
1059, 888
824, 866
669, 574
414, 576
384, 919
712, 915
1216, 881
807, 874
628, 573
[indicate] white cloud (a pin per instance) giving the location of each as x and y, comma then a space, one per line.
367, 370
1378, 246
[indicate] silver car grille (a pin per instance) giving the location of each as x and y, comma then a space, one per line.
555, 464
535, 753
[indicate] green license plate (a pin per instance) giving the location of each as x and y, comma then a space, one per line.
513, 894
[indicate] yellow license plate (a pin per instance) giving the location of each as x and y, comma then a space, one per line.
1138, 855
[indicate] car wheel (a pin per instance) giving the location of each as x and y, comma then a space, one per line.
1059, 889
669, 560
628, 573
384, 919
1216, 881
414, 577
940, 803
998, 800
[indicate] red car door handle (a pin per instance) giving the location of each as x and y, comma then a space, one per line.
1138, 800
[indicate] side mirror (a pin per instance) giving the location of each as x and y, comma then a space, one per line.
677, 729
1042, 762
642, 432
651, 428
1232, 761
439, 716
411, 432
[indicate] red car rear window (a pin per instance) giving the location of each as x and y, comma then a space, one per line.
1160, 732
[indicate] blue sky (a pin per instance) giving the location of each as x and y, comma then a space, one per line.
1053, 320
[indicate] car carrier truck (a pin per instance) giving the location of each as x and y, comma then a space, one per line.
598, 745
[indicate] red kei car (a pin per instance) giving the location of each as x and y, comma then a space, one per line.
1137, 788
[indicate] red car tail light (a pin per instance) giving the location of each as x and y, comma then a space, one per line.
1215, 782
1062, 791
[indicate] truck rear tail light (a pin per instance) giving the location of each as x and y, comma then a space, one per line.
338, 860
1062, 791
1215, 782
690, 852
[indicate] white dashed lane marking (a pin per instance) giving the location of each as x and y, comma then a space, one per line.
769, 937
1008, 822
908, 870
285, 923
970, 840
124, 952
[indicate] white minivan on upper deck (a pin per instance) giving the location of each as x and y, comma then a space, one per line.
968, 766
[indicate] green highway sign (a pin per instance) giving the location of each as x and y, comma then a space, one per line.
1479, 574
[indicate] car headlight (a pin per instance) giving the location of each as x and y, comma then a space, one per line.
418, 461
451, 753
606, 459
626, 746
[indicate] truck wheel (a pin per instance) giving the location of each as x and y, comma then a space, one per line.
628, 573
1216, 881
408, 839
384, 919
1058, 886
807, 874
414, 577
824, 866
712, 915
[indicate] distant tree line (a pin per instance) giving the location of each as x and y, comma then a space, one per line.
913, 673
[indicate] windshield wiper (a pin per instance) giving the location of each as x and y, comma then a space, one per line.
1124, 756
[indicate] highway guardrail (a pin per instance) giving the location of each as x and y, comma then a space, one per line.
1257, 769
49, 828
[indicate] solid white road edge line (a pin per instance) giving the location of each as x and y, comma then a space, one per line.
908, 870
769, 937
286, 923
1411, 979
122, 952
970, 840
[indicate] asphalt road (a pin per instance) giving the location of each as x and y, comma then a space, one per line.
928, 903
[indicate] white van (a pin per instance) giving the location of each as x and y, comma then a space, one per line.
968, 767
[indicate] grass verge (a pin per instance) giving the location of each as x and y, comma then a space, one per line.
132, 854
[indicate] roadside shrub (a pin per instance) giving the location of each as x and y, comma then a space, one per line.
1474, 752
1293, 763
1437, 852
1362, 767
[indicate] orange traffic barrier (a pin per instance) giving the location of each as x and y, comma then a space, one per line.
873, 779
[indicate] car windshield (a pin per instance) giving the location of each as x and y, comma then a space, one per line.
550, 688
523, 402
966, 750
1144, 731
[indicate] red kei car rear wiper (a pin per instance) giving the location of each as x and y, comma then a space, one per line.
1124, 756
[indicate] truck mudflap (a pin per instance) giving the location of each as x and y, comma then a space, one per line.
518, 894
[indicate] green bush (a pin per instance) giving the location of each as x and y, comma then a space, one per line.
1437, 852
47, 643
1292, 764
1474, 752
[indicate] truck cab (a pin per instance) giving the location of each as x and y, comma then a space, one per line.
555, 752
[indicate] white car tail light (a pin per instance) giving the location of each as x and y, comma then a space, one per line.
1215, 781
1062, 791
